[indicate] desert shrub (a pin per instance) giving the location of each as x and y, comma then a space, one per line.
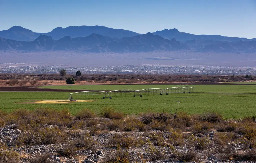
181, 120
247, 144
84, 142
157, 125
162, 117
53, 117
250, 132
186, 156
124, 141
84, 114
223, 139
155, 154
9, 156
25, 118
115, 125
120, 155
131, 124
227, 127
67, 150
41, 136
19, 117
95, 130
12, 82
211, 117
249, 119
33, 82
93, 123
247, 156
78, 124
148, 118
41, 159
112, 114
44, 83
175, 137
247, 130
2, 118
226, 152
23, 82
2, 122
202, 127
157, 139
201, 143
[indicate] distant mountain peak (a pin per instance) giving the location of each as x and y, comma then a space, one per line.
19, 29
15, 28
174, 30
18, 33
84, 31
183, 37
149, 33
57, 28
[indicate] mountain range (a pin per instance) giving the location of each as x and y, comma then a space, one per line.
100, 39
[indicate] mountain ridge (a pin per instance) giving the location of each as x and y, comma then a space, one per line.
23, 34
94, 43
103, 39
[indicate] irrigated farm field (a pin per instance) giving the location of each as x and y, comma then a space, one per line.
231, 101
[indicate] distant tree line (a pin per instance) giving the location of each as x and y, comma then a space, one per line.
131, 78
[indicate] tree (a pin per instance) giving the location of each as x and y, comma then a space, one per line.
70, 80
63, 72
78, 73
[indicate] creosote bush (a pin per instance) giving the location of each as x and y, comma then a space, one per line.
41, 159
41, 136
124, 141
9, 156
112, 114
85, 114
118, 156
42, 116
211, 117
186, 156
247, 156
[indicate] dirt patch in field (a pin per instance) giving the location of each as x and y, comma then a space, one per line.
33, 89
60, 101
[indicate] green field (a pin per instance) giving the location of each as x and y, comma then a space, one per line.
231, 101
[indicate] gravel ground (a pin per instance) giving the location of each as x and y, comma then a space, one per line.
100, 139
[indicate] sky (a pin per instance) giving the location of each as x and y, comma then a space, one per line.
223, 17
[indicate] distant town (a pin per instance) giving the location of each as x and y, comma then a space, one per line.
22, 68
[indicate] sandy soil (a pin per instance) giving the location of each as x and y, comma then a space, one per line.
60, 101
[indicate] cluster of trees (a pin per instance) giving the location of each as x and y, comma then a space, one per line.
70, 79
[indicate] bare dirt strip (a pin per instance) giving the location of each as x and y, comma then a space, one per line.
32, 89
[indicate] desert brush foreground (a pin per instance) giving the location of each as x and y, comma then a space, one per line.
49, 135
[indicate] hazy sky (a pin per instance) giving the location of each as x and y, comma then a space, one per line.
224, 17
